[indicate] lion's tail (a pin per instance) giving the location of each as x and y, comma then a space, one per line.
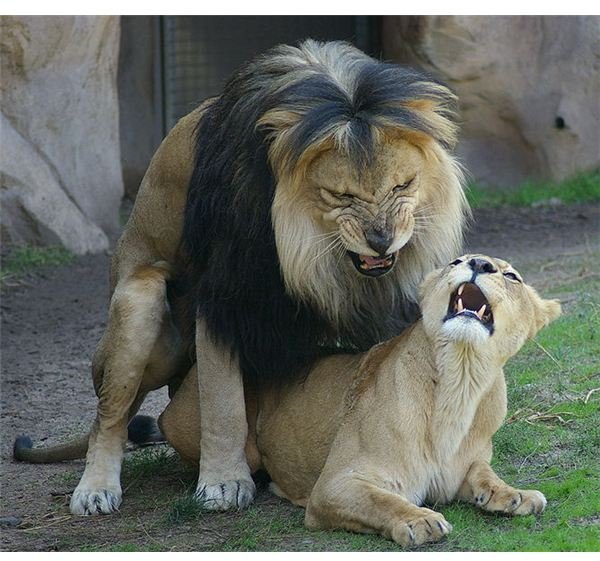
23, 451
142, 430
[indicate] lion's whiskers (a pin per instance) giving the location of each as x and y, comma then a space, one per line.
341, 249
330, 247
420, 210
320, 237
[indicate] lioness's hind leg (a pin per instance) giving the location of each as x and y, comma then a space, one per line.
359, 505
487, 491
137, 314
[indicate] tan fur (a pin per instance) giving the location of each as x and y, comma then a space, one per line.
366, 440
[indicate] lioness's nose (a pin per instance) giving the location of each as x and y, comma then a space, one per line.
379, 240
481, 266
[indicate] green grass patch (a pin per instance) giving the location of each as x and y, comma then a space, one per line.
24, 260
185, 508
582, 188
154, 460
551, 440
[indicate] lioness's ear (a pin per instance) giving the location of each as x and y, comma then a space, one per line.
546, 311
553, 310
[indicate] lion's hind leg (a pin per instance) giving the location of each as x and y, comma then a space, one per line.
487, 491
137, 317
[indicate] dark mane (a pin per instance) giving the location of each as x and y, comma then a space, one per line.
228, 233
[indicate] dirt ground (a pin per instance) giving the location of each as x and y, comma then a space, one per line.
51, 323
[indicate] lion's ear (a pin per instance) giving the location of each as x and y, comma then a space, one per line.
275, 121
546, 311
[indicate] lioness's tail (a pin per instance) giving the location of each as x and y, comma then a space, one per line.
142, 430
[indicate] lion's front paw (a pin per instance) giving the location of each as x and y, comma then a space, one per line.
226, 495
430, 527
510, 501
95, 501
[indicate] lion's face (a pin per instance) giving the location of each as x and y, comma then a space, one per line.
483, 301
353, 241
368, 216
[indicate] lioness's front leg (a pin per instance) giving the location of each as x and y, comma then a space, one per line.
354, 502
487, 491
224, 479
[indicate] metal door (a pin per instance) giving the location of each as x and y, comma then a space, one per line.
201, 52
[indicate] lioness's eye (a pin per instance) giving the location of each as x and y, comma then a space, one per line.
403, 186
456, 262
512, 276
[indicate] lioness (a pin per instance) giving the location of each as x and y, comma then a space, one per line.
366, 440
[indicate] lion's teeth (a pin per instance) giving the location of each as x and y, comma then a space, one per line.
481, 311
459, 305
460, 289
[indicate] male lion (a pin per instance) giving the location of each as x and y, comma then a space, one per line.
367, 439
299, 210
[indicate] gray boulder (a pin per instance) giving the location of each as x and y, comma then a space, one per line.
60, 173
529, 88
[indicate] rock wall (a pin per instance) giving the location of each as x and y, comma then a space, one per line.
60, 172
529, 88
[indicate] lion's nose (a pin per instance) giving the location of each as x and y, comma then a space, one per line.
481, 266
379, 240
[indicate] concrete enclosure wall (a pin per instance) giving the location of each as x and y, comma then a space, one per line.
60, 172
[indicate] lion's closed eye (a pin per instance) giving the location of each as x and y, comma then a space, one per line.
403, 186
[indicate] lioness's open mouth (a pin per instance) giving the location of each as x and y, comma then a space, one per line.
469, 301
373, 266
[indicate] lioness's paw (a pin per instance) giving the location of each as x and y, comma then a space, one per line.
227, 495
510, 501
95, 501
431, 527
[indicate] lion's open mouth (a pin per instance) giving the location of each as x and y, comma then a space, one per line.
468, 301
373, 266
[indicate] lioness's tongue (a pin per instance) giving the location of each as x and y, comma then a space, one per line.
373, 261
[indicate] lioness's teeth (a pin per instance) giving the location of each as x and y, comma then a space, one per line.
460, 289
459, 305
481, 311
